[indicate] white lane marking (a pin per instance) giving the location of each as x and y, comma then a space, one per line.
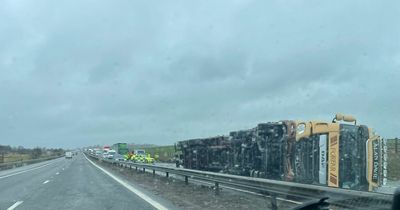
15, 205
152, 202
57, 173
2, 177
47, 181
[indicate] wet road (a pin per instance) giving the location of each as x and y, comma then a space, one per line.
67, 184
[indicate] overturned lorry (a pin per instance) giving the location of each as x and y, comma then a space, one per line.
208, 154
265, 151
336, 154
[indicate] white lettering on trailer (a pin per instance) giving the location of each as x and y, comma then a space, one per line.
322, 159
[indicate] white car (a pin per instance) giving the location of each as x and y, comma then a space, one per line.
110, 154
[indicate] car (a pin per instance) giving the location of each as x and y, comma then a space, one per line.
119, 157
110, 154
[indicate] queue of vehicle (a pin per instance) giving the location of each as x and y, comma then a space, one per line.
120, 152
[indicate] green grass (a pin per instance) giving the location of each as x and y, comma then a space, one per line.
13, 157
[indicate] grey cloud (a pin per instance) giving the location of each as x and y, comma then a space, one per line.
75, 74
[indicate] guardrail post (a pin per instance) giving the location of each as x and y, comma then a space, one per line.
186, 179
274, 205
136, 168
144, 169
216, 188
167, 174
154, 172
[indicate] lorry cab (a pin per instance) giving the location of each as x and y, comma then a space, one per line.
338, 154
68, 155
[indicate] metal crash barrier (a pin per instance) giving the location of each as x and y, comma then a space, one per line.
272, 188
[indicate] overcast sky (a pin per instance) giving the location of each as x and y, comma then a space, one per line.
78, 73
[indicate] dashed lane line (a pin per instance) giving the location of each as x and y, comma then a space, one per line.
15, 205
21, 172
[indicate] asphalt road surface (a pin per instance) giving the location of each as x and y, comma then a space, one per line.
68, 184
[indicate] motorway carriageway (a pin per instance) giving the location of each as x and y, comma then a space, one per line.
75, 183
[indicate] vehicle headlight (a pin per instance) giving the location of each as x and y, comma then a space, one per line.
301, 128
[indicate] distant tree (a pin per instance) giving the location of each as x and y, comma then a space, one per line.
22, 150
36, 153
55, 152
5, 149
59, 152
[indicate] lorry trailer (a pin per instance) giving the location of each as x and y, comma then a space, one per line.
338, 153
